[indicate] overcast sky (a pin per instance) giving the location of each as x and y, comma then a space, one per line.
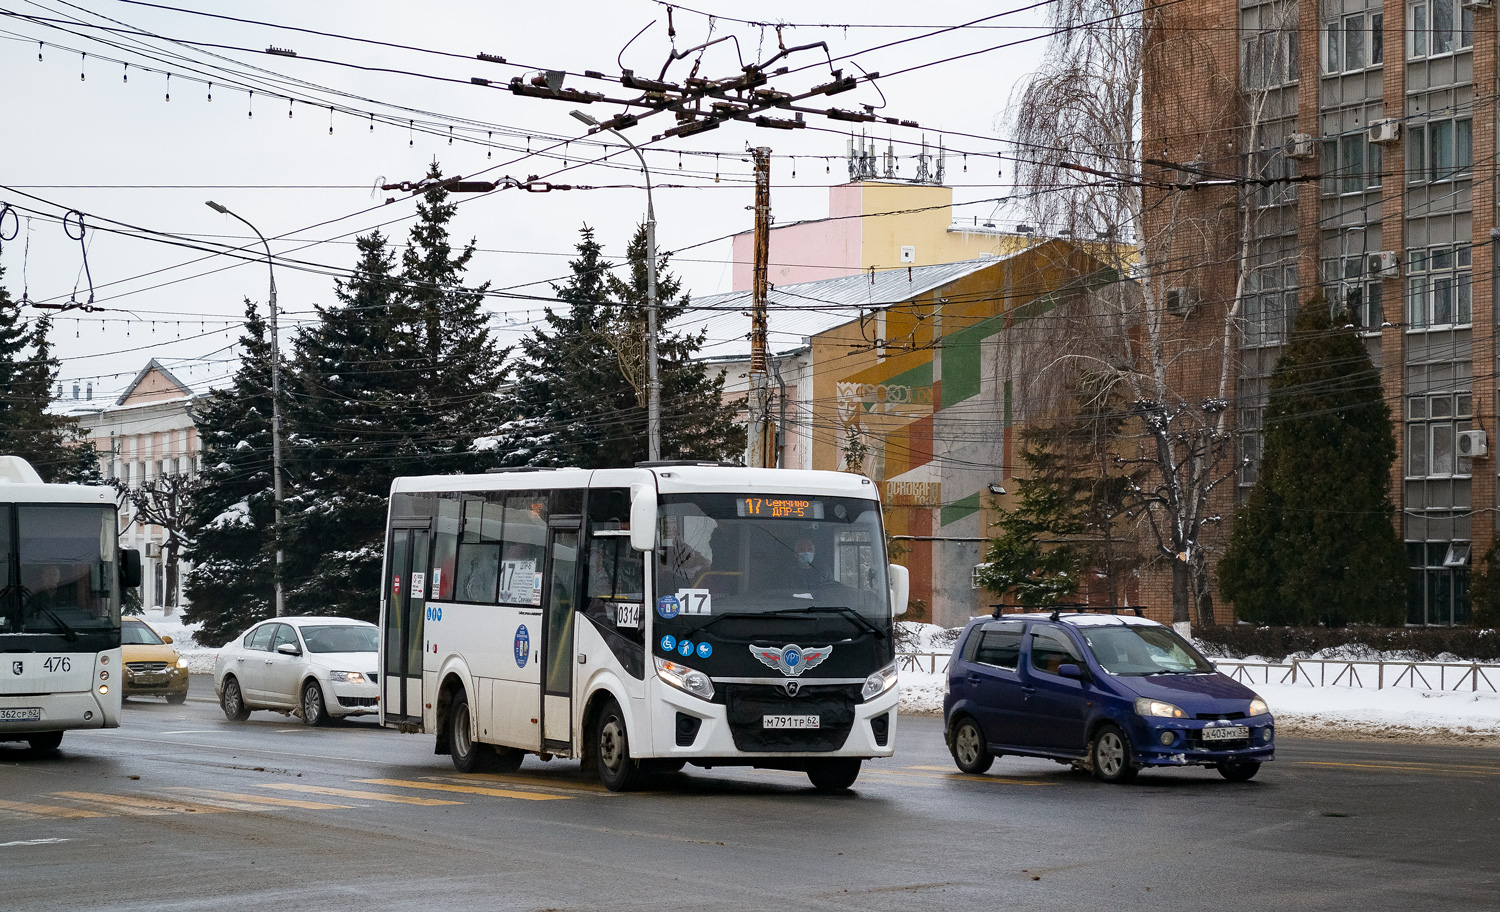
89, 127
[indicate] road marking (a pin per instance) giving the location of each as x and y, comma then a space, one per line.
352, 793
196, 731
146, 806
48, 810
465, 789
953, 776
540, 782
1430, 768
32, 842
241, 802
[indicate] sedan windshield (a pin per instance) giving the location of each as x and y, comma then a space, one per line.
134, 633
1132, 649
344, 638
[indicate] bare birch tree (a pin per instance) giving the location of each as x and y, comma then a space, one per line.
1170, 222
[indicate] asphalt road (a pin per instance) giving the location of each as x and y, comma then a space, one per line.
182, 810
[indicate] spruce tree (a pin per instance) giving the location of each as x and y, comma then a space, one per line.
1316, 541
229, 520
580, 393
53, 444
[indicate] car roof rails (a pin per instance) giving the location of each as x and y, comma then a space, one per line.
672, 463
1072, 608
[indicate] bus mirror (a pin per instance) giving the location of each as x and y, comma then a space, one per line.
130, 568
643, 520
900, 579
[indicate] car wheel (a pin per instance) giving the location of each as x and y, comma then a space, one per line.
469, 756
1111, 755
968, 749
314, 710
1239, 771
833, 775
45, 741
177, 698
617, 769
232, 701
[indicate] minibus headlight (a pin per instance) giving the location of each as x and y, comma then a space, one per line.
879, 682
1148, 707
685, 679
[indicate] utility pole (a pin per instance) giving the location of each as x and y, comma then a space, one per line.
761, 436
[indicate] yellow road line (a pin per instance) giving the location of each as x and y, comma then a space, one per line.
1469, 770
140, 806
49, 810
352, 793
542, 782
465, 789
241, 802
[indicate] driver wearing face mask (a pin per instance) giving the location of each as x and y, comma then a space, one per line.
806, 574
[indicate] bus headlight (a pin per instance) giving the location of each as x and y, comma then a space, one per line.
879, 682
685, 679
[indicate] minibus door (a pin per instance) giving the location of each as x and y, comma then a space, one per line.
557, 648
406, 601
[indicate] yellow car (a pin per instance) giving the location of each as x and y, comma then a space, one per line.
152, 667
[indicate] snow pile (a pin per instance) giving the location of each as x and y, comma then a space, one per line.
915, 636
200, 659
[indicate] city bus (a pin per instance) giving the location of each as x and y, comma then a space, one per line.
61, 582
642, 619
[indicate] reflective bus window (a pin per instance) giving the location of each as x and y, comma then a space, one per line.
525, 546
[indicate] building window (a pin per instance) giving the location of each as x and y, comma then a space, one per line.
1440, 150
1439, 593
1436, 27
1351, 164
1353, 43
1269, 305
1432, 428
1268, 58
1439, 286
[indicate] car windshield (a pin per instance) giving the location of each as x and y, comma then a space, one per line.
1134, 649
134, 633
342, 638
727, 553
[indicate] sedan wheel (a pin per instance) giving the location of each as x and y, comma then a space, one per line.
314, 710
968, 748
232, 701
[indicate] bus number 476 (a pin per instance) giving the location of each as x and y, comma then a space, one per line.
58, 663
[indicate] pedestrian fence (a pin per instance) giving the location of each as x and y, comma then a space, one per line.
1359, 673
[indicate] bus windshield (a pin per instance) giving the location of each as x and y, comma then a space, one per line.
67, 577
749, 554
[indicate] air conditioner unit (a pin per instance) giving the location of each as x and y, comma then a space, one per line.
1385, 131
1472, 444
153, 549
1386, 264
1477, 4
1299, 146
1180, 300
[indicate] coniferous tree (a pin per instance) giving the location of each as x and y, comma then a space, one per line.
580, 394
1316, 541
229, 519
53, 444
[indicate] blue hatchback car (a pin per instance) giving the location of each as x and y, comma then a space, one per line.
1111, 693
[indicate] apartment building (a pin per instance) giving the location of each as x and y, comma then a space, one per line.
1367, 131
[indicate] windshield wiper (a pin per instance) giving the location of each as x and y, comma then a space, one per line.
859, 619
67, 632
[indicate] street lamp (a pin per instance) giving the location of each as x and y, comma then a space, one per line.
653, 384
275, 405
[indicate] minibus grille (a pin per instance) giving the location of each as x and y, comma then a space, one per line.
749, 704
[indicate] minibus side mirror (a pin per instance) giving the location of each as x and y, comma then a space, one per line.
130, 568
900, 586
643, 519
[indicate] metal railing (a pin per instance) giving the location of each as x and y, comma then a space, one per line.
1357, 673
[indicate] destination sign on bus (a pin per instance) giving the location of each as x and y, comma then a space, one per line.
779, 508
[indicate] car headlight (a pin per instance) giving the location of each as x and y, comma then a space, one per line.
181, 662
1145, 706
1258, 707
347, 677
685, 679
879, 682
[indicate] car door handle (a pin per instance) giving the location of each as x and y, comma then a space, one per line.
1028, 691
973, 678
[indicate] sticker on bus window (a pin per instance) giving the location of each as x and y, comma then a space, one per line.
536, 587
696, 601
418, 585
437, 582
518, 582
396, 585
628, 614
668, 607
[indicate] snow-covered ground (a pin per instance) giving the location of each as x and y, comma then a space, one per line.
1300, 709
